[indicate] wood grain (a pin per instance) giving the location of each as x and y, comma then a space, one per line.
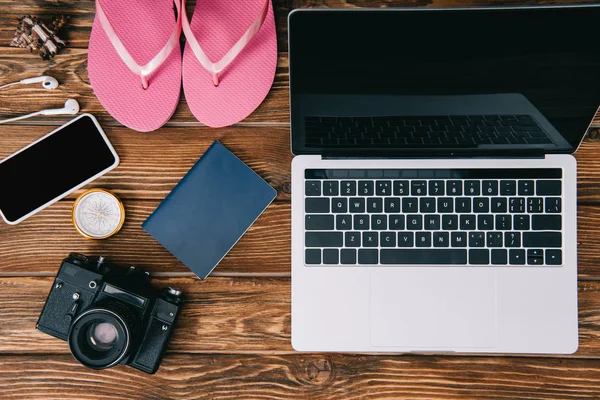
152, 164
221, 315
305, 376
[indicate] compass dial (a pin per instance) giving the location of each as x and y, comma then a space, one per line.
98, 214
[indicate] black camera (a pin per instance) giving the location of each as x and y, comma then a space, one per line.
110, 315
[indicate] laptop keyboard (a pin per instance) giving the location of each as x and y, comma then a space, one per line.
415, 131
442, 217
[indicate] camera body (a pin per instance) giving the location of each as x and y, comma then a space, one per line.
110, 315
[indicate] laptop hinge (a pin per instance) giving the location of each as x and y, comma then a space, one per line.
487, 157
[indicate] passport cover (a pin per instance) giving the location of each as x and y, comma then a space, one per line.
209, 210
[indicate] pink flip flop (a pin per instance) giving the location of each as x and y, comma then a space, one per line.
134, 60
240, 36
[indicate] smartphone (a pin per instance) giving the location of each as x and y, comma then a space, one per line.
50, 168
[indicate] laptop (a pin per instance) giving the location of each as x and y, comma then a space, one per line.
434, 189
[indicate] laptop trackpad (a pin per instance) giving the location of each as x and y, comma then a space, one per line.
433, 307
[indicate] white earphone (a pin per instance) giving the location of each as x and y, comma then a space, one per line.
71, 108
48, 82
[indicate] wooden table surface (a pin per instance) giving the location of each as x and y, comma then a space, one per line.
233, 337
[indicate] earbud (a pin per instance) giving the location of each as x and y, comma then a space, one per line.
48, 82
71, 107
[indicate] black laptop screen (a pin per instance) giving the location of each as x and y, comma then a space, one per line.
523, 64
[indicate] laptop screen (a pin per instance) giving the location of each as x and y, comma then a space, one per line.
354, 73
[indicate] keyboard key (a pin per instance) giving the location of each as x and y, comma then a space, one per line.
414, 222
365, 188
423, 239
467, 223
553, 257
512, 239
410, 205
312, 188
343, 222
499, 204
508, 188
542, 239
361, 222
516, 205
553, 205
406, 239
367, 256
312, 205
312, 256
418, 188
476, 239
479, 256
424, 256
525, 187
521, 222
499, 256
449, 222
353, 239
323, 239
535, 205
489, 188
485, 222
454, 188
387, 239
379, 222
459, 239
472, 188
516, 256
441, 239
331, 256
331, 188
374, 205
535, 256
427, 205
503, 222
548, 188
546, 222
339, 205
396, 222
391, 205
348, 188
370, 239
481, 205
494, 239
400, 188
348, 256
444, 205
357, 205
318, 222
383, 188
436, 188
432, 222
463, 205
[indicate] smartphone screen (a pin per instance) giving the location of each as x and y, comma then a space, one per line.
52, 167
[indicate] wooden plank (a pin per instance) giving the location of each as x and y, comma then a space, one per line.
152, 164
221, 315
304, 376
38, 245
70, 68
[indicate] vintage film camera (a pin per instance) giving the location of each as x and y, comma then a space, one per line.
110, 315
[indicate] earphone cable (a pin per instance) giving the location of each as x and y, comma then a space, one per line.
9, 84
20, 118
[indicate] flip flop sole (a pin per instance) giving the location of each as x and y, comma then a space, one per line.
144, 27
243, 86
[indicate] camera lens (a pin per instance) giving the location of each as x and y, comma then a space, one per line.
101, 337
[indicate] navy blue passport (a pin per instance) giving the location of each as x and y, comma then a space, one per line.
209, 210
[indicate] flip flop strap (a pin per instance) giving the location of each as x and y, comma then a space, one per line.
217, 68
144, 71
